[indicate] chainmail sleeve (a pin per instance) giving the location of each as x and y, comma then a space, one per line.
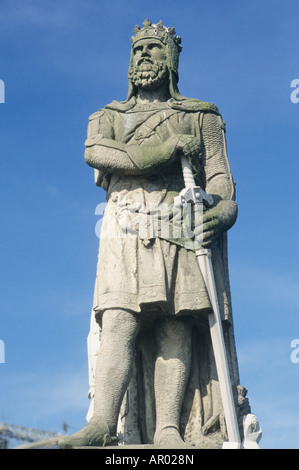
217, 177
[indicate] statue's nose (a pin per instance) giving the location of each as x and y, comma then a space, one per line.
145, 51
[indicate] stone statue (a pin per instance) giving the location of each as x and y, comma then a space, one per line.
155, 380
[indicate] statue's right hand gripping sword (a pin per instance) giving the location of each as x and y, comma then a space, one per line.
196, 195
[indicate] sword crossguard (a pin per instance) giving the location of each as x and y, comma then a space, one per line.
193, 195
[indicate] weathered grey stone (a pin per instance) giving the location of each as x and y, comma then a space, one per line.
152, 367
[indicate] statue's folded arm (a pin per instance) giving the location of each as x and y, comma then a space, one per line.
119, 158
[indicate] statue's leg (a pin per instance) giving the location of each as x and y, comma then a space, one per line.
113, 374
173, 337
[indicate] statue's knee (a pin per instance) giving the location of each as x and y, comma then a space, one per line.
173, 335
119, 324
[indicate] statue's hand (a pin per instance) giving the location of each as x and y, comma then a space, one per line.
189, 145
212, 226
217, 220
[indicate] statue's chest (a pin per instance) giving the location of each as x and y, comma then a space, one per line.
151, 127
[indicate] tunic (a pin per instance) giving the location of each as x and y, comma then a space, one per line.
139, 270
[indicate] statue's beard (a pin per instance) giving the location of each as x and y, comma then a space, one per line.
148, 74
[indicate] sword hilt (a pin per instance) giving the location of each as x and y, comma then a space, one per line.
187, 172
191, 193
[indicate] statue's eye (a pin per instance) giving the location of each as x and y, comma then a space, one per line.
153, 46
137, 49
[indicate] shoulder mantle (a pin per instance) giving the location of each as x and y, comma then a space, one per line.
185, 104
121, 106
96, 115
193, 105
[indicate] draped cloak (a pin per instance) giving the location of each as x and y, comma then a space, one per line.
157, 274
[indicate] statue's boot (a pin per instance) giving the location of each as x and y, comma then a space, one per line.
169, 436
94, 434
173, 340
112, 376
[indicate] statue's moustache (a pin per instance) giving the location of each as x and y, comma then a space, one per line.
144, 59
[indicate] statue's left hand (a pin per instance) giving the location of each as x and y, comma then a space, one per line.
212, 226
217, 220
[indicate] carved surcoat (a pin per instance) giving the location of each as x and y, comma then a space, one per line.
148, 274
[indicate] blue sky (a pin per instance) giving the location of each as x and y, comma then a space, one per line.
60, 62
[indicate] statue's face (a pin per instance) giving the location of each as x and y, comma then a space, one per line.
149, 64
151, 50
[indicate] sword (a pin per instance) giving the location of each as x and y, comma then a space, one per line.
196, 195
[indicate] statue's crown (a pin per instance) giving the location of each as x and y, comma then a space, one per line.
157, 31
